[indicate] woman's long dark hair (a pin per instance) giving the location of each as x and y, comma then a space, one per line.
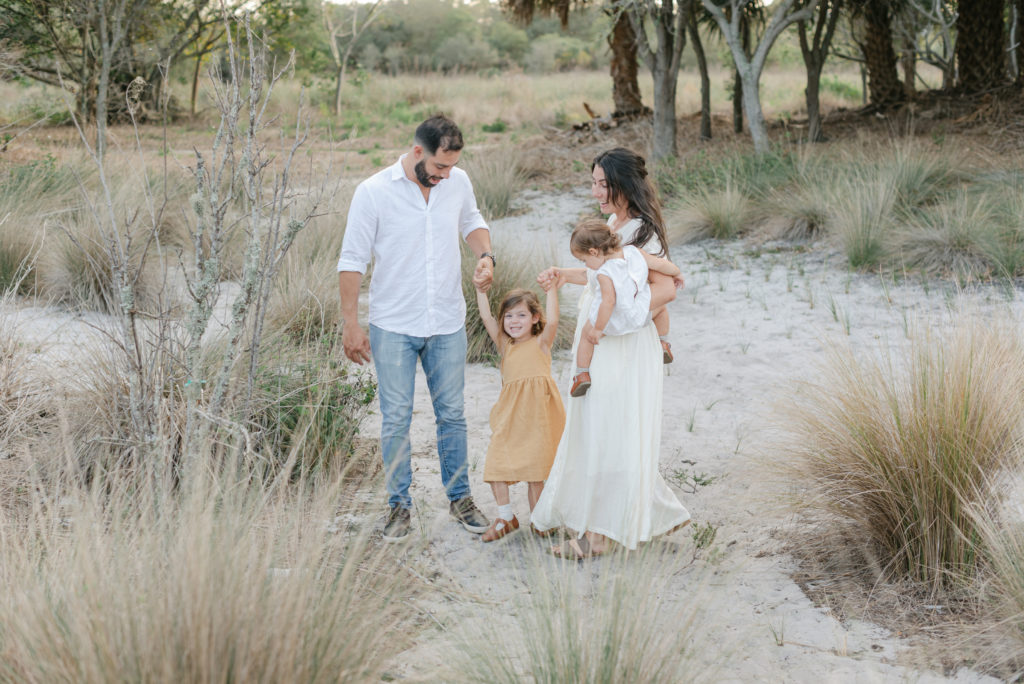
625, 173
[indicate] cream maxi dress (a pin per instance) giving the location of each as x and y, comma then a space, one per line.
605, 476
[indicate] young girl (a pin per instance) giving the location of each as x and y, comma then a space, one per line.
623, 299
527, 420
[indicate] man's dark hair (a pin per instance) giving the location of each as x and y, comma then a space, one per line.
439, 133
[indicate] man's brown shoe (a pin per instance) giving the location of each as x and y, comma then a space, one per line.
494, 533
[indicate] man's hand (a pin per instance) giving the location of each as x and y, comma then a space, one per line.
483, 276
356, 343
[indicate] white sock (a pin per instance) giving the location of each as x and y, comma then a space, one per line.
580, 369
506, 513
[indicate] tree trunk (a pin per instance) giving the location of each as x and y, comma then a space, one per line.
811, 95
625, 86
752, 105
737, 101
884, 88
908, 64
339, 77
195, 84
664, 143
705, 80
1019, 48
980, 43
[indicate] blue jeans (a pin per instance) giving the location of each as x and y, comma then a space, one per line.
444, 362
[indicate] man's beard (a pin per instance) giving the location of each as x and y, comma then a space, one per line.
422, 176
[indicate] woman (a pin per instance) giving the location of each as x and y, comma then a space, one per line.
605, 483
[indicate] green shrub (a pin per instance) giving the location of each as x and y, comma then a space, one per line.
833, 85
310, 411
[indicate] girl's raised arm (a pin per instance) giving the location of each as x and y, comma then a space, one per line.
490, 324
660, 264
547, 336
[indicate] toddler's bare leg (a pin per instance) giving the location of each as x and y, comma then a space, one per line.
660, 318
663, 289
585, 350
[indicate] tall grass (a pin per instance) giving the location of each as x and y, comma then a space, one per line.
1003, 540
619, 624
218, 579
902, 445
961, 237
863, 219
721, 214
497, 178
30, 195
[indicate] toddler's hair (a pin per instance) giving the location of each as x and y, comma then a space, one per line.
513, 298
593, 233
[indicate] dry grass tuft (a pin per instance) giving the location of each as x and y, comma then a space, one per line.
215, 580
618, 624
902, 445
720, 214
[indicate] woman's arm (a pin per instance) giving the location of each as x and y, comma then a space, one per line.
547, 336
490, 324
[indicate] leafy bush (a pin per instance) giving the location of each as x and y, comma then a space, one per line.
311, 410
833, 85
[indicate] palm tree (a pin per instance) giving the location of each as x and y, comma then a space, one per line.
980, 45
874, 17
621, 41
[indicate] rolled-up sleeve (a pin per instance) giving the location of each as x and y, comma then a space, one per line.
360, 231
470, 217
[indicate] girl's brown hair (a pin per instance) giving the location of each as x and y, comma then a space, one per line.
515, 297
593, 234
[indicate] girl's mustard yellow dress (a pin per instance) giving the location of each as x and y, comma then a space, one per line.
528, 418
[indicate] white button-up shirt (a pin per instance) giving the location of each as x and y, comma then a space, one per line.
416, 286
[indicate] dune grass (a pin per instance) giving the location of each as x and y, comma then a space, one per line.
623, 623
215, 579
902, 445
497, 178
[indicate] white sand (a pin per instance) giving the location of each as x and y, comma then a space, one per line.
743, 330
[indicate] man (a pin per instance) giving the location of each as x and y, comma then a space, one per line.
409, 218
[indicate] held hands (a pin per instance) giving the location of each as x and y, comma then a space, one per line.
550, 278
356, 343
483, 275
594, 335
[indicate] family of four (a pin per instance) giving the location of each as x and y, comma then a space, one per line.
591, 463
